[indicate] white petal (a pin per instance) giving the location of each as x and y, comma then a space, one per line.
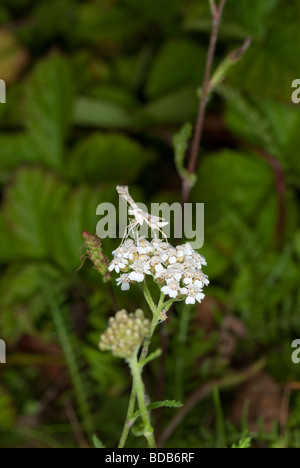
200, 297
165, 290
173, 294
187, 281
125, 287
198, 283
190, 300
139, 277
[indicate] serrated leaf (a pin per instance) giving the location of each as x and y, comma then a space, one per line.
77, 214
49, 108
15, 150
160, 404
31, 206
243, 443
165, 404
110, 157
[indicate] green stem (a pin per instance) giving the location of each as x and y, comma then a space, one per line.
155, 319
136, 371
149, 299
129, 418
156, 311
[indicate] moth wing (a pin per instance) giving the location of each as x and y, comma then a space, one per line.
162, 224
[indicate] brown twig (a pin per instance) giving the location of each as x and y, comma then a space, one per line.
217, 13
203, 392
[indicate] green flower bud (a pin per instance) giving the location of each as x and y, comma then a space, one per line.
125, 334
94, 250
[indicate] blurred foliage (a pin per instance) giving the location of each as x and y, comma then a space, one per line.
96, 92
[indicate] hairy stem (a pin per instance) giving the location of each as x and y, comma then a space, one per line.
156, 311
128, 423
138, 383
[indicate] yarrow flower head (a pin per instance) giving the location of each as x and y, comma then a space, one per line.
125, 334
178, 271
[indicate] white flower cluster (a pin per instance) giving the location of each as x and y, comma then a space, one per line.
178, 270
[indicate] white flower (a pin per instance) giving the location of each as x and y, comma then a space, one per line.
163, 246
169, 256
157, 243
188, 264
200, 279
156, 264
173, 275
188, 275
123, 249
131, 253
118, 264
144, 259
161, 275
184, 251
144, 247
177, 267
198, 260
193, 293
173, 289
140, 269
177, 270
124, 282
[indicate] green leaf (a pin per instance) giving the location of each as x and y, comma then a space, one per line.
30, 211
243, 443
104, 114
160, 404
77, 213
48, 108
174, 108
16, 149
165, 404
110, 157
180, 143
179, 63
97, 443
156, 354
22, 299
241, 182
